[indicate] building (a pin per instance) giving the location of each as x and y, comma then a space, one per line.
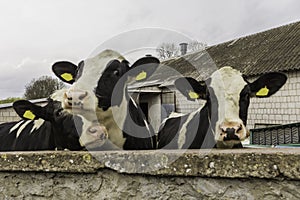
274, 50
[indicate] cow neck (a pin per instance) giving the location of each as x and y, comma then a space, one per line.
212, 119
114, 118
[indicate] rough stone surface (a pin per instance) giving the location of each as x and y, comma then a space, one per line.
107, 184
215, 174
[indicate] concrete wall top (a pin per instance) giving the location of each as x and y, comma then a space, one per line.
239, 163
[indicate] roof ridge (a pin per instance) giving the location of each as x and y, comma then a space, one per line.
254, 34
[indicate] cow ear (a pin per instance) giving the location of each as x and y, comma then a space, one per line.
144, 67
191, 88
65, 71
27, 110
268, 84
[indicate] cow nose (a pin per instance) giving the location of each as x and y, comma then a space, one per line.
232, 131
75, 98
76, 94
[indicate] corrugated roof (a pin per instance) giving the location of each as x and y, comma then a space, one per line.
273, 50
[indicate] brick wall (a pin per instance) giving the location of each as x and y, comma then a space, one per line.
8, 115
281, 108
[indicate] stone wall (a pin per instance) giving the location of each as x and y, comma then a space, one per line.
202, 174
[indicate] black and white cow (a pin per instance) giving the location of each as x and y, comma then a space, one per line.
44, 128
100, 94
221, 122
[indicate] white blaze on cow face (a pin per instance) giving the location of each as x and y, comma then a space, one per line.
227, 84
81, 95
93, 134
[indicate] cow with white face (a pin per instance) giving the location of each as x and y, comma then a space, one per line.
100, 95
221, 122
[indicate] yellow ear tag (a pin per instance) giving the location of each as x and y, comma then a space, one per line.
29, 115
141, 76
193, 95
67, 76
263, 92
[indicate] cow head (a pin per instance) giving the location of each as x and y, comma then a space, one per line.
62, 124
99, 75
100, 83
228, 95
68, 130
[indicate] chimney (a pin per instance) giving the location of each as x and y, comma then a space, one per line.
183, 48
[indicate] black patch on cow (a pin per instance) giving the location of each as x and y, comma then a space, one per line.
244, 103
199, 134
63, 67
273, 81
40, 139
79, 70
66, 129
169, 133
199, 130
186, 85
7, 139
107, 82
111, 91
138, 136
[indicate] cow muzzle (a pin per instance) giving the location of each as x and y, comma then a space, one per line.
77, 100
232, 132
95, 136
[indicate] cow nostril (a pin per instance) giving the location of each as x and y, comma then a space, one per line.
82, 96
92, 130
240, 128
103, 136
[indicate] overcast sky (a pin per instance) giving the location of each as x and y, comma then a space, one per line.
35, 34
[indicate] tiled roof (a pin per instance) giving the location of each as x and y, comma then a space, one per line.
273, 50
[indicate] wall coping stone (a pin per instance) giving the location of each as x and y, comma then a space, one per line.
267, 163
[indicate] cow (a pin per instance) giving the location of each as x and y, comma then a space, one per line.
221, 122
45, 128
100, 92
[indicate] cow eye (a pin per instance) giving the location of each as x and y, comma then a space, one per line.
59, 112
116, 72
